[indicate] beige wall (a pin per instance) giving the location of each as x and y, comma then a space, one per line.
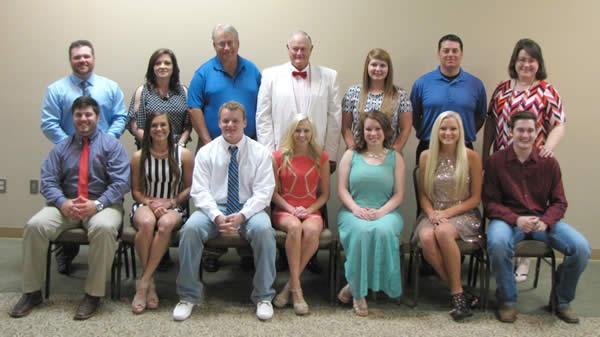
35, 35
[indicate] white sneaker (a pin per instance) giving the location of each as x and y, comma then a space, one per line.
522, 269
182, 310
264, 310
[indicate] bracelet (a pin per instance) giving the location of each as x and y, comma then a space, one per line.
182, 144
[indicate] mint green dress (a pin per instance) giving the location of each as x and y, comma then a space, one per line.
371, 247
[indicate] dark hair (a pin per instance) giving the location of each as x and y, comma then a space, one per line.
534, 50
80, 43
386, 125
151, 76
450, 37
174, 172
232, 106
521, 115
83, 102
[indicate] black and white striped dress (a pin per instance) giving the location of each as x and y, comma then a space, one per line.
159, 184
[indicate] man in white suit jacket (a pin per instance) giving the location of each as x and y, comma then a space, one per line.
299, 87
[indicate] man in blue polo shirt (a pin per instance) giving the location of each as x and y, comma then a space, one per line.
225, 77
448, 87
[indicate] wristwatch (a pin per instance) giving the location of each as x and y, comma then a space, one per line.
99, 205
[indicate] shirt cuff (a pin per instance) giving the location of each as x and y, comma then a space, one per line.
60, 201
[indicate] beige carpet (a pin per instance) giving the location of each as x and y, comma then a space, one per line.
220, 318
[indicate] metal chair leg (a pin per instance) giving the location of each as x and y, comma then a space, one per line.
48, 263
133, 263
332, 272
416, 264
537, 272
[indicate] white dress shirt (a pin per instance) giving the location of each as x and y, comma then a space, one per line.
256, 178
301, 89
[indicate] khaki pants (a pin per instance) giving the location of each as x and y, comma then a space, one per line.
47, 224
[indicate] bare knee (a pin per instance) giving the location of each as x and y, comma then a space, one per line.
294, 228
166, 226
311, 231
145, 224
427, 238
445, 232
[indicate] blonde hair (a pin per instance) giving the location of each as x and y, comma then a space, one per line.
461, 166
288, 148
390, 92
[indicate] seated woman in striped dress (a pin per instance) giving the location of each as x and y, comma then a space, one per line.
161, 178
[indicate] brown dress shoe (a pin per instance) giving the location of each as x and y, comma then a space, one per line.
87, 308
507, 313
25, 304
568, 315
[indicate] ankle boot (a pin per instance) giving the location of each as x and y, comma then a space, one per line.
460, 308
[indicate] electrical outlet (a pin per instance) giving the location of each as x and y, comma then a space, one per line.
2, 185
34, 186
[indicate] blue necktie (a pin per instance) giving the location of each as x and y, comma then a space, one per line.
233, 184
84, 88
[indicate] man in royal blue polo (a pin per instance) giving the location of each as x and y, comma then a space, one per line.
448, 87
225, 77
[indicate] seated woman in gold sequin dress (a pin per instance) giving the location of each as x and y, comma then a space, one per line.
450, 178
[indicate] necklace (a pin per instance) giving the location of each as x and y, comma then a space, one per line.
159, 154
373, 155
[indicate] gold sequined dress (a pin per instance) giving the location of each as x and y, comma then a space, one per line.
467, 224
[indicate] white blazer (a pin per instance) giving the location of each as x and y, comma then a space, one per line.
276, 107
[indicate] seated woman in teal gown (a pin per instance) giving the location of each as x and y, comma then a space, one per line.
371, 188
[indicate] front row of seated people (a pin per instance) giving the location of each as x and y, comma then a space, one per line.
235, 179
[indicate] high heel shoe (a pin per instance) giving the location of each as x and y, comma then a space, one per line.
283, 298
360, 307
345, 296
138, 305
460, 308
152, 297
300, 306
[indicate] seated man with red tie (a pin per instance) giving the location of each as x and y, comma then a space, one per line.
83, 180
232, 185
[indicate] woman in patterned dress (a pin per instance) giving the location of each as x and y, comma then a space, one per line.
526, 90
377, 92
450, 178
302, 188
371, 188
161, 176
161, 92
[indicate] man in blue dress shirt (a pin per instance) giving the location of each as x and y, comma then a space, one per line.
225, 77
56, 119
448, 87
83, 180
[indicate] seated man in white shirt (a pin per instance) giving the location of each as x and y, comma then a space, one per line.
232, 185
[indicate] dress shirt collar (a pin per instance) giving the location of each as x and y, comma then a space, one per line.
444, 78
76, 79
512, 155
241, 145
218, 66
78, 139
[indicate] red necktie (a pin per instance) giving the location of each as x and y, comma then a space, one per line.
83, 168
302, 74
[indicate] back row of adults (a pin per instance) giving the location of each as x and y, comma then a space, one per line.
299, 87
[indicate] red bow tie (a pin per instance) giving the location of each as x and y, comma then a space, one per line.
302, 74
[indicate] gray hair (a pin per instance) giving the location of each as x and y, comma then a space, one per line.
303, 34
226, 28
